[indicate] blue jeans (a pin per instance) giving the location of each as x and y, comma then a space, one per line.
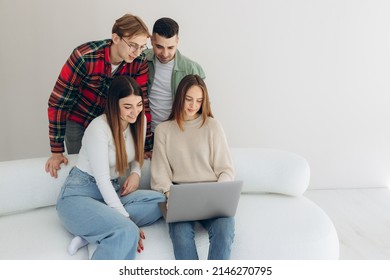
221, 236
81, 208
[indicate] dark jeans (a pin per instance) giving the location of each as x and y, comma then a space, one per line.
73, 135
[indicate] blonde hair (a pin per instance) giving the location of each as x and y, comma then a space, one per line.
129, 25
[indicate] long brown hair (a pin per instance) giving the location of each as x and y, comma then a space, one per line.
123, 86
185, 84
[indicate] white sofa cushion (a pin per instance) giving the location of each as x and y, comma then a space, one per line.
271, 171
274, 226
268, 226
262, 170
35, 235
25, 185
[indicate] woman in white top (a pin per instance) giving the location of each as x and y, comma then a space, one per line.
92, 204
191, 147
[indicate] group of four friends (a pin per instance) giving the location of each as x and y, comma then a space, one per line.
116, 103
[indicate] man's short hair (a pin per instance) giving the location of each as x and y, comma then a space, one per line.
166, 27
130, 25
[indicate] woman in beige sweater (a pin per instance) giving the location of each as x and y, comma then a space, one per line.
191, 147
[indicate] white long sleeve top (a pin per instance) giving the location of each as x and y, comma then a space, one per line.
97, 157
197, 154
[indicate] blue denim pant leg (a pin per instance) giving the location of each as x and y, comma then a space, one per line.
183, 240
221, 237
142, 206
82, 211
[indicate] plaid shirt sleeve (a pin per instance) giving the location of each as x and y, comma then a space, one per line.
142, 80
62, 98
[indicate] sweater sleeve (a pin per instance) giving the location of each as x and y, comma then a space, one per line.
96, 143
161, 173
223, 164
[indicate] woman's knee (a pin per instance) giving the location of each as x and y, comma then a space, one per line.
155, 196
223, 228
181, 231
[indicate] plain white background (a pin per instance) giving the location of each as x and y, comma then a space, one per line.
306, 76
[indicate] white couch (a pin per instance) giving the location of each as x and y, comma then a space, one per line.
273, 221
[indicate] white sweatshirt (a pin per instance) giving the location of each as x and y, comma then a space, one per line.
97, 157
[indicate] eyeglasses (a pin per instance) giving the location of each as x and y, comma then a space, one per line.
135, 47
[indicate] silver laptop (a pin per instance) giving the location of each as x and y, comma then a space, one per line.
200, 201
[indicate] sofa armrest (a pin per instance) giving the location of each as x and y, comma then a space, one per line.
24, 184
271, 171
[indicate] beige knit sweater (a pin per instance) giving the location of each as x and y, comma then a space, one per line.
197, 154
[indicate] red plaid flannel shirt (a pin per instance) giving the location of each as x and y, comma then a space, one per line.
81, 89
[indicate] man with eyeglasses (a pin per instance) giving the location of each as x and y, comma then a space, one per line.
167, 66
80, 92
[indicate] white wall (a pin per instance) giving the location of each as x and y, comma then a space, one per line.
307, 76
